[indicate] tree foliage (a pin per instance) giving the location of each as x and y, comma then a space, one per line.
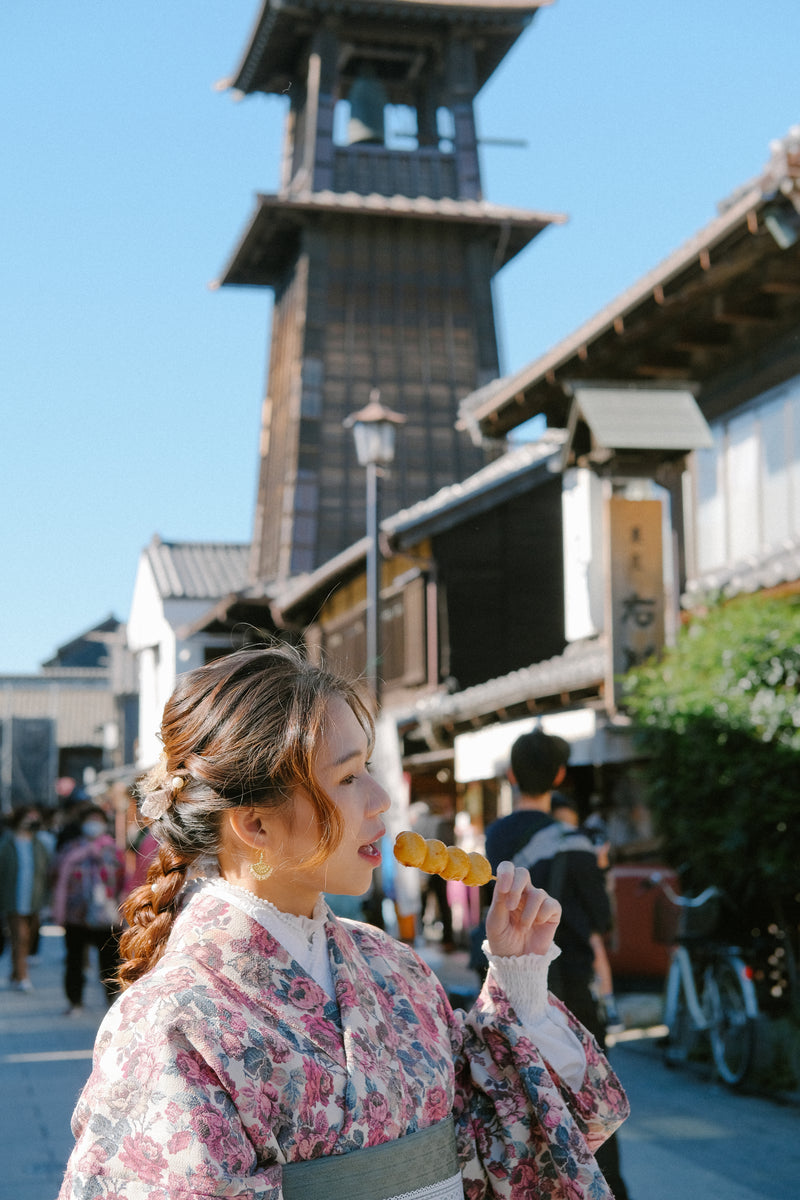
718, 718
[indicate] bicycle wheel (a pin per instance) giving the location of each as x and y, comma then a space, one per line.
731, 1029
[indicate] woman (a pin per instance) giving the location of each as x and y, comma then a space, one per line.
24, 864
265, 1049
90, 873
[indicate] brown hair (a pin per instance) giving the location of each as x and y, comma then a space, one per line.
242, 731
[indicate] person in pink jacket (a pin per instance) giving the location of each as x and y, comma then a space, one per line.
264, 1048
89, 884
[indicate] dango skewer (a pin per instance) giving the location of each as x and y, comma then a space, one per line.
451, 862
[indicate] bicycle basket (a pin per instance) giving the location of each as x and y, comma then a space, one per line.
680, 923
665, 920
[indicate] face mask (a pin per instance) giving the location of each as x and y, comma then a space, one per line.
93, 829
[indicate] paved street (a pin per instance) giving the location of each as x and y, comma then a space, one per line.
44, 1061
693, 1139
687, 1137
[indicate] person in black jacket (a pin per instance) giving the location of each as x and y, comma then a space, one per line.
563, 861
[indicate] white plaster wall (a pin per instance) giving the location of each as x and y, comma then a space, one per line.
145, 634
582, 523
148, 745
746, 493
146, 613
152, 627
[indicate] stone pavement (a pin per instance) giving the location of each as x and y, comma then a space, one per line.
45, 1059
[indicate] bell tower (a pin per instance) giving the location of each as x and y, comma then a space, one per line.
380, 249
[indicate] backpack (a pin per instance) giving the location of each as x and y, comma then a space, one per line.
92, 887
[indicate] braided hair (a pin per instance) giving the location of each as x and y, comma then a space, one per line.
242, 731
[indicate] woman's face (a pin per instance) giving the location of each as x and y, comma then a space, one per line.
340, 768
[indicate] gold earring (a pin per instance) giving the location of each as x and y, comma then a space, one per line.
260, 869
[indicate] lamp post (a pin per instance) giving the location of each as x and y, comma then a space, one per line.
374, 430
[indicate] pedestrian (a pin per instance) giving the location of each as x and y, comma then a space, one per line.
24, 863
435, 818
563, 861
565, 810
264, 1047
89, 884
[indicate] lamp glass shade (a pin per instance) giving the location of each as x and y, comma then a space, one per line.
374, 441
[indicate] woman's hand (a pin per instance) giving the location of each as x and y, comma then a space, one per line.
522, 919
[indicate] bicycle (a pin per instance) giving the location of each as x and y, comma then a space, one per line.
710, 989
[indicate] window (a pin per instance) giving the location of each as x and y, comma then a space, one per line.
747, 487
402, 637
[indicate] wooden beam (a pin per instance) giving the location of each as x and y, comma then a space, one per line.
663, 371
762, 314
781, 278
727, 316
781, 287
703, 337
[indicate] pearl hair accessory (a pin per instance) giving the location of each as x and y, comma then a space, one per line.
157, 803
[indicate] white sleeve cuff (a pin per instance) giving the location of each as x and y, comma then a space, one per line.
523, 978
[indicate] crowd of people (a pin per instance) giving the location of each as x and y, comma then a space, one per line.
63, 863
262, 1042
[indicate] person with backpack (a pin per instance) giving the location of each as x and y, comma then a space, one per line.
89, 885
563, 861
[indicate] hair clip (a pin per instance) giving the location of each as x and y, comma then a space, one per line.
156, 804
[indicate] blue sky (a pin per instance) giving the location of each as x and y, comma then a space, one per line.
131, 390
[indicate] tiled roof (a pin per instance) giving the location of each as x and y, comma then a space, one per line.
780, 178
768, 570
521, 468
581, 666
198, 570
518, 466
479, 404
444, 208
261, 255
281, 32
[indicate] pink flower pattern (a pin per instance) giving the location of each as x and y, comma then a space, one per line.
226, 1061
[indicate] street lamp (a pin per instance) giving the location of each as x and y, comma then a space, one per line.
374, 429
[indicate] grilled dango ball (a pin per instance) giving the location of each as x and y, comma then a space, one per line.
432, 856
457, 865
435, 859
410, 848
480, 870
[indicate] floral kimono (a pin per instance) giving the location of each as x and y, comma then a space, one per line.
226, 1061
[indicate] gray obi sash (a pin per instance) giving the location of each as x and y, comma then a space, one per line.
420, 1166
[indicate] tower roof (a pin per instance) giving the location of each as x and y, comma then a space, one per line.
270, 240
283, 29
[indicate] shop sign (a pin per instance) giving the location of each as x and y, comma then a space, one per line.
636, 588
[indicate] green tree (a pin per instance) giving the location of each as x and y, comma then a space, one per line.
718, 720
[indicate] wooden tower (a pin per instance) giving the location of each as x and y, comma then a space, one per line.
380, 251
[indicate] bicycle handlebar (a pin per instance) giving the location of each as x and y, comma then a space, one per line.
660, 881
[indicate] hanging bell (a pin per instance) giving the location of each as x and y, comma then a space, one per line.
367, 101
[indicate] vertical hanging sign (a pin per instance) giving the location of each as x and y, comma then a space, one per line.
635, 588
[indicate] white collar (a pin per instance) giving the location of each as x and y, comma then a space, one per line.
265, 912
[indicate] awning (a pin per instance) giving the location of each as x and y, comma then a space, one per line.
485, 753
628, 418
